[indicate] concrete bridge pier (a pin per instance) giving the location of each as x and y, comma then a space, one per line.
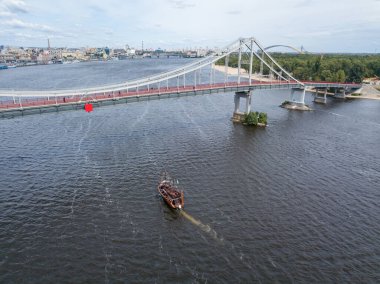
296, 104
301, 101
247, 95
293, 97
340, 95
321, 99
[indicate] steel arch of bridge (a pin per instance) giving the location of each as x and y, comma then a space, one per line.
287, 46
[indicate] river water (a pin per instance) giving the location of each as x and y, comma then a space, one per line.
297, 202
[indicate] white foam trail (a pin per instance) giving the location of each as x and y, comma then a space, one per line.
211, 232
205, 228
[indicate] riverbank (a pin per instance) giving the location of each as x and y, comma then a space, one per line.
366, 92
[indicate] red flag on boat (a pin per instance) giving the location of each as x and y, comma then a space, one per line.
88, 107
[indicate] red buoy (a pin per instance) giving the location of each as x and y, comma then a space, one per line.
88, 107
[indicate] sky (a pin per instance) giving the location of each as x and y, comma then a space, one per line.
317, 25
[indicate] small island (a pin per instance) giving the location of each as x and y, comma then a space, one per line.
253, 118
295, 106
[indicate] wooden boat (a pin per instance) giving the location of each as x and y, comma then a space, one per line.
170, 192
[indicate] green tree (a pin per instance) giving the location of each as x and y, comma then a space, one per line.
340, 76
326, 75
356, 73
329, 67
263, 118
251, 118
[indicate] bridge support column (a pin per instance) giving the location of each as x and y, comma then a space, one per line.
237, 115
237, 103
295, 104
319, 99
248, 101
340, 95
293, 99
303, 97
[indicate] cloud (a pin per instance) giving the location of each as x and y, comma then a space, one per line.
303, 3
234, 12
107, 31
322, 24
97, 9
181, 4
4, 14
27, 36
9, 7
308, 34
18, 24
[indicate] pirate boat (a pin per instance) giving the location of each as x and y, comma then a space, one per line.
169, 191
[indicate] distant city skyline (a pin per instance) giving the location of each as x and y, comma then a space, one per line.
318, 26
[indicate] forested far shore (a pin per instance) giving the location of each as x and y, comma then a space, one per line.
317, 67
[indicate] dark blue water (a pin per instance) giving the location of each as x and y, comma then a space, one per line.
84, 74
297, 202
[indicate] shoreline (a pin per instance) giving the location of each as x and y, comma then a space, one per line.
233, 71
367, 92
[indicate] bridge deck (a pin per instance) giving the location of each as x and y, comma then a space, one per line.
41, 105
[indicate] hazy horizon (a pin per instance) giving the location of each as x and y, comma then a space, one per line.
318, 26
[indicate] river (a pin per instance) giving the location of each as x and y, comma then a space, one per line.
296, 202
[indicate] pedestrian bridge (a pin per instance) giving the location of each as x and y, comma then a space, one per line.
198, 77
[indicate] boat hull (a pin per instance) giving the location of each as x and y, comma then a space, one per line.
174, 203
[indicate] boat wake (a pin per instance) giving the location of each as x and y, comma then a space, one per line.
232, 250
205, 228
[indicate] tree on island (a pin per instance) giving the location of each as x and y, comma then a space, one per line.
255, 118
